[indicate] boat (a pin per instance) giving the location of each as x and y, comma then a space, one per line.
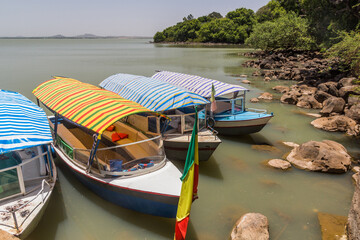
27, 170
176, 103
231, 117
114, 159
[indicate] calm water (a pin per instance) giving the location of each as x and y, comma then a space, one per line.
233, 182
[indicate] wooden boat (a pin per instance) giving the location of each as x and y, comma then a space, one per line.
27, 171
178, 105
130, 170
231, 117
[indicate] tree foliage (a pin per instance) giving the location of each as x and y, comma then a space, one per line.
270, 11
286, 32
348, 51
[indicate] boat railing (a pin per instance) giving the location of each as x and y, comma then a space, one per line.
129, 159
213, 133
13, 210
256, 110
182, 123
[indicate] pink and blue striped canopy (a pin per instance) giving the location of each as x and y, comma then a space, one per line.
197, 84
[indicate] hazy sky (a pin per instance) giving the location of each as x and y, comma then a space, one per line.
105, 17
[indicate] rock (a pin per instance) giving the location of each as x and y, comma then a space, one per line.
281, 89
356, 169
308, 101
267, 148
306, 90
246, 81
329, 87
251, 226
353, 226
332, 226
339, 123
243, 76
324, 156
279, 163
346, 82
355, 178
254, 100
290, 144
354, 113
266, 96
267, 79
321, 96
289, 98
344, 92
331, 105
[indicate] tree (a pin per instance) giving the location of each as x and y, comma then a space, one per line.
348, 50
287, 32
243, 17
159, 37
270, 11
215, 15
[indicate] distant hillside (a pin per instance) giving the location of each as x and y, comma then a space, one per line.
83, 36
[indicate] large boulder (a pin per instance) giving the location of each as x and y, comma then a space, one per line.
329, 87
338, 123
354, 113
324, 156
289, 97
344, 92
308, 101
251, 226
333, 105
353, 99
266, 96
346, 82
353, 226
321, 96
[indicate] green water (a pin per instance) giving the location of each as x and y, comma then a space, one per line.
233, 182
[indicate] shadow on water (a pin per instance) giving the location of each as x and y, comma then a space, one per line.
251, 139
53, 216
210, 168
158, 225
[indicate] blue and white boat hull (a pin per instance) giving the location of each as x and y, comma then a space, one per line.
155, 193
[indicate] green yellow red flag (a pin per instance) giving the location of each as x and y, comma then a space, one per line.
189, 185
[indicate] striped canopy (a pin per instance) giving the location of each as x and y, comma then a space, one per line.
22, 123
151, 93
196, 84
85, 104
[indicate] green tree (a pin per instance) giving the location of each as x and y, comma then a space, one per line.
287, 32
270, 11
348, 51
159, 37
215, 15
243, 17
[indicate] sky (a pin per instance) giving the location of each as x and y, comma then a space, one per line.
105, 17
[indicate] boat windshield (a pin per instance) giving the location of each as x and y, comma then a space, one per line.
181, 121
22, 171
227, 106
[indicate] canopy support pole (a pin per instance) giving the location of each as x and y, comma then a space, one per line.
55, 127
93, 151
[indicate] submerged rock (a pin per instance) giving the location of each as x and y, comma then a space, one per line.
279, 163
266, 148
324, 156
290, 144
251, 226
353, 226
254, 100
339, 123
266, 96
245, 81
332, 226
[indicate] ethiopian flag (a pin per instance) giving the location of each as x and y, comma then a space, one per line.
189, 184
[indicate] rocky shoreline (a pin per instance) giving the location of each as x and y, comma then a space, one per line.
320, 85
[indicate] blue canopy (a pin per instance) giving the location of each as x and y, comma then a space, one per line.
196, 84
22, 123
151, 93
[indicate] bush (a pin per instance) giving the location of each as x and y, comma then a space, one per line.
159, 37
348, 52
287, 32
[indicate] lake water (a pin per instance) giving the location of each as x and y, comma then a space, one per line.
233, 182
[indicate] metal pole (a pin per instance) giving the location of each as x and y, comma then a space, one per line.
16, 224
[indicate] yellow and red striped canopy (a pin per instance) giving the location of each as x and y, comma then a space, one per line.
85, 104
